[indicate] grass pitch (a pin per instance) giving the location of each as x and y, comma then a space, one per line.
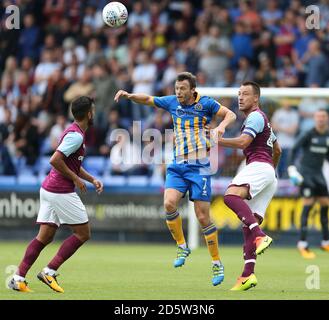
145, 272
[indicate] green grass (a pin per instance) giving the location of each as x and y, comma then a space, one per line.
120, 272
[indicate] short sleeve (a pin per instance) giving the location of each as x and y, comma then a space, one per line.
273, 136
71, 143
163, 102
254, 124
214, 106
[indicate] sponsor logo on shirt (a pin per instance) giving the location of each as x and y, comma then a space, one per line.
198, 107
180, 112
80, 158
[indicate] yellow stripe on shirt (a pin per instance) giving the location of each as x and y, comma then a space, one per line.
204, 122
180, 138
196, 133
188, 136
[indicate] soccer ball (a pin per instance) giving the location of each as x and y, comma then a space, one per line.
115, 14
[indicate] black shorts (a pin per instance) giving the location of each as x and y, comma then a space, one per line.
314, 186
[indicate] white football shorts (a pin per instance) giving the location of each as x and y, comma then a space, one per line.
61, 208
260, 178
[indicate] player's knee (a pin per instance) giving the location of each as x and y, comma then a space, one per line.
170, 205
203, 218
45, 239
83, 236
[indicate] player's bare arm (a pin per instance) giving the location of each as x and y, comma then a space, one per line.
140, 98
276, 153
88, 177
241, 142
57, 161
228, 118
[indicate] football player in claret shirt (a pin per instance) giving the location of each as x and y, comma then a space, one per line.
190, 170
59, 203
252, 189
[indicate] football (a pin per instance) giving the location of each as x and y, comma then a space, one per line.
115, 14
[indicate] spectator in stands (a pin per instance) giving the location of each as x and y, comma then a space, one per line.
300, 48
249, 15
285, 122
6, 126
73, 52
317, 65
7, 167
50, 42
56, 132
113, 123
29, 39
53, 101
265, 75
44, 70
53, 12
26, 139
215, 52
92, 17
64, 30
11, 69
116, 50
94, 53
105, 88
139, 16
271, 15
307, 108
264, 45
143, 77
126, 159
241, 44
287, 75
158, 16
82, 87
245, 72
187, 16
286, 36
8, 93
27, 65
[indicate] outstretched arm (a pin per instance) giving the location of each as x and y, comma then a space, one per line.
228, 118
140, 98
241, 142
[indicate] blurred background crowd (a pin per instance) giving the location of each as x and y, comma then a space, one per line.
63, 50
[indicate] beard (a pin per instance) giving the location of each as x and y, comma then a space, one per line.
90, 122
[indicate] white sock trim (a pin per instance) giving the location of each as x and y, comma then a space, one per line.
302, 244
250, 261
184, 245
325, 243
216, 262
18, 278
253, 225
49, 271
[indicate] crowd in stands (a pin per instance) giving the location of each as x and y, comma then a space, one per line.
63, 50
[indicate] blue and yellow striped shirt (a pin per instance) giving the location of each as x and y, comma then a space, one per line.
189, 122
